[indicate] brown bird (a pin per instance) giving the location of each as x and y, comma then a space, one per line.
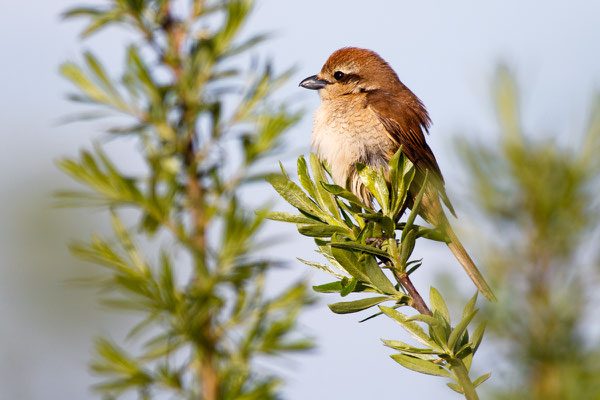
365, 115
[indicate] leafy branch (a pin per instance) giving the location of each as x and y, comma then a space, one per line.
360, 244
203, 317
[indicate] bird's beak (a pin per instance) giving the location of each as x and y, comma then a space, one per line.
312, 82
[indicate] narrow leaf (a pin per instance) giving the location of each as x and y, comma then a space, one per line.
411, 327
289, 217
331, 287
422, 366
440, 334
343, 193
322, 267
304, 178
357, 305
349, 288
415, 209
470, 305
321, 230
349, 261
336, 287
293, 194
406, 348
376, 184
407, 246
459, 330
386, 223
377, 277
481, 379
438, 305
477, 336
455, 387
361, 247
325, 198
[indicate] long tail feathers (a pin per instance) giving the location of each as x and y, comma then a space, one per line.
467, 263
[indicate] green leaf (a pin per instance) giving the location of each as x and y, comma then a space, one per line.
428, 319
467, 359
465, 353
440, 334
459, 330
76, 76
96, 67
375, 183
142, 73
455, 387
325, 198
407, 246
376, 275
366, 232
415, 209
438, 305
406, 172
294, 195
321, 230
283, 171
125, 240
386, 223
349, 288
477, 336
411, 327
470, 306
481, 379
415, 265
331, 287
424, 354
422, 366
349, 261
397, 187
361, 247
343, 193
288, 217
431, 234
336, 287
357, 305
322, 267
304, 178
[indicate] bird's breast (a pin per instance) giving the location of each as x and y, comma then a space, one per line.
347, 132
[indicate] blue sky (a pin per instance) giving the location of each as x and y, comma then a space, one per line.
446, 52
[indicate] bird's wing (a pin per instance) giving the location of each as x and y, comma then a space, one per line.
405, 120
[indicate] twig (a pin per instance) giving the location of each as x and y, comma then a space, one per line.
417, 301
209, 377
462, 376
208, 364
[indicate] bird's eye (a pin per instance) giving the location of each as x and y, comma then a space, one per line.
338, 75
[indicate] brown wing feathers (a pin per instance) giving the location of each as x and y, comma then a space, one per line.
405, 118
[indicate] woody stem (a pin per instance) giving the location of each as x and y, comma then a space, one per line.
417, 301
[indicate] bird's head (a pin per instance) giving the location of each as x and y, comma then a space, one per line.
351, 70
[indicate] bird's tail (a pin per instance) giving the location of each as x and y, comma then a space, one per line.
467, 263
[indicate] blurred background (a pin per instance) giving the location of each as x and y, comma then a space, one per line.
534, 231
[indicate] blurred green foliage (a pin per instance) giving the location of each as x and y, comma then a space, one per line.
539, 197
192, 269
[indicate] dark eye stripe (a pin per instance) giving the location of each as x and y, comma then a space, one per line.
349, 78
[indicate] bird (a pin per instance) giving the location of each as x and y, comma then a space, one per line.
366, 114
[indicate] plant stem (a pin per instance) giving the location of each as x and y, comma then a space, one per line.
462, 377
196, 199
417, 301
209, 378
